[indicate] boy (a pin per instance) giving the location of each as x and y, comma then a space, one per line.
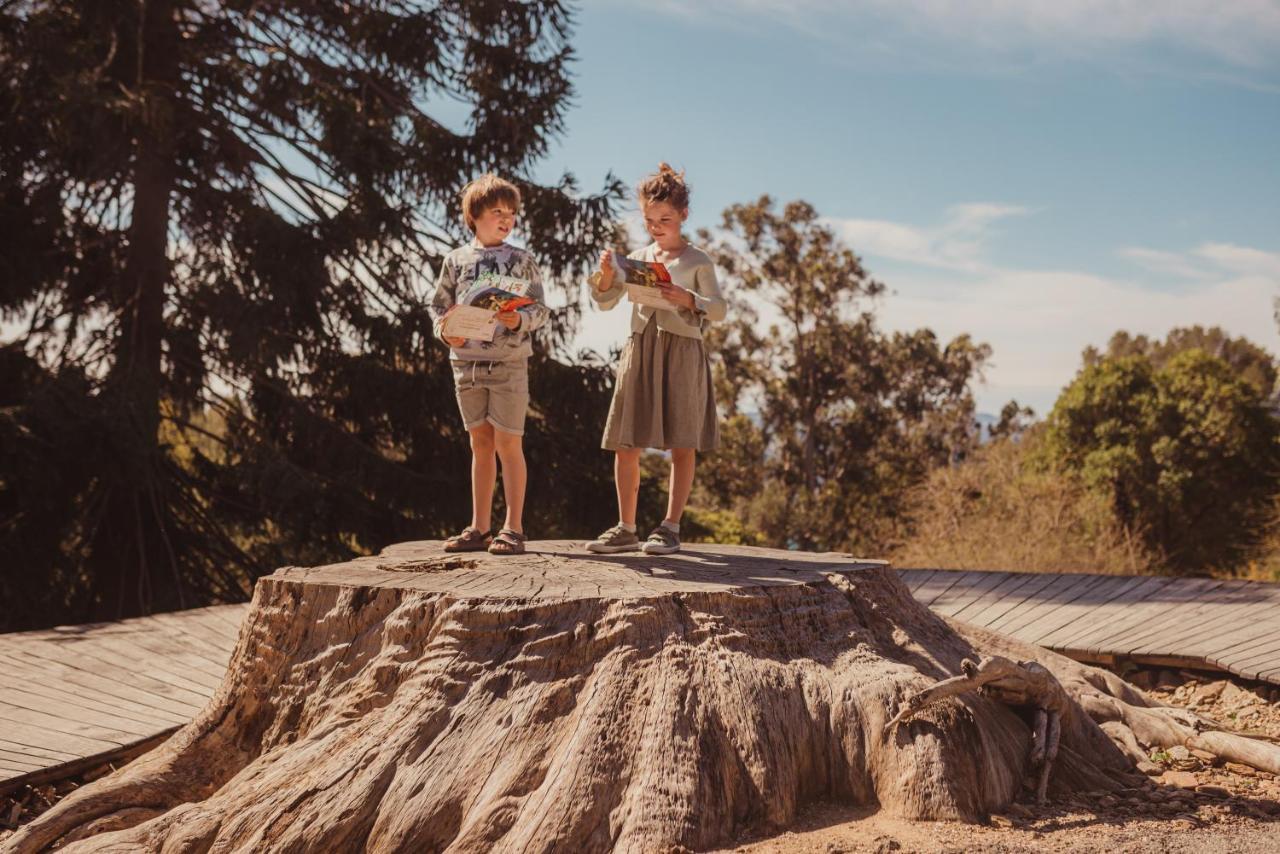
491, 376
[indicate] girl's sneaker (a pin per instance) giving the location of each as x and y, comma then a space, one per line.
662, 541
616, 539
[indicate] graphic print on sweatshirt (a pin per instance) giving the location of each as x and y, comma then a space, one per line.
485, 276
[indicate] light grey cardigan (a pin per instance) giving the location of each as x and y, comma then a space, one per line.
692, 269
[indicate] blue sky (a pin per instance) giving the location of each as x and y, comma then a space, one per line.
1038, 174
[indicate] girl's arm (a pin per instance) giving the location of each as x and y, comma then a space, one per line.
708, 303
606, 295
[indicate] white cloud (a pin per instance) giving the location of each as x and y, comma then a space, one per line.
1240, 34
1241, 259
958, 243
1039, 321
1164, 263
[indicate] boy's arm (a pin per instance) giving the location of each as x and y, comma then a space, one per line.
533, 316
443, 299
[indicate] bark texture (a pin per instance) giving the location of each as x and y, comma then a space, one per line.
563, 701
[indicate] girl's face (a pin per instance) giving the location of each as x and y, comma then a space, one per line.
494, 224
663, 221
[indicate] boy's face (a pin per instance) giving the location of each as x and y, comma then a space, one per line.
495, 223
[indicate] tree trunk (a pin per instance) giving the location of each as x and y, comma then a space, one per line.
135, 569
564, 701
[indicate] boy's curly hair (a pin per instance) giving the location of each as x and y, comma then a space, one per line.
665, 185
485, 192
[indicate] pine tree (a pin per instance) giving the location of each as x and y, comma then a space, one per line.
220, 222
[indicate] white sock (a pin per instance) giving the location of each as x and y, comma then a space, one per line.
626, 527
673, 527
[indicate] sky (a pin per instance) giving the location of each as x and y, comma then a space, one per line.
1037, 174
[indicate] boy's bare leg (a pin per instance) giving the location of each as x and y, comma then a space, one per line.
484, 473
626, 473
514, 477
682, 465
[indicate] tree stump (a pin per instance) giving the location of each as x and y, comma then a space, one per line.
564, 701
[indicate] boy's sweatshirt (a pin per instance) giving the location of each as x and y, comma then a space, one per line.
466, 273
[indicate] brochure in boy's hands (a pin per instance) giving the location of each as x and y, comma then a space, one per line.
507, 294
642, 279
467, 321
477, 317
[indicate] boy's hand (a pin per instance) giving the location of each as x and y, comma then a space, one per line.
606, 270
509, 319
455, 342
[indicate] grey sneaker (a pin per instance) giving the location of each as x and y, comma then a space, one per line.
662, 541
616, 539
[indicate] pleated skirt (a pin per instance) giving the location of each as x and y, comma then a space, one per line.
662, 397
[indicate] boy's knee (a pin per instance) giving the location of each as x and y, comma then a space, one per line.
507, 443
482, 439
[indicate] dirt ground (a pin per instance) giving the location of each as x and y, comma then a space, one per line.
1190, 803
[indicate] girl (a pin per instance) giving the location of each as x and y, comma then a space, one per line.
662, 397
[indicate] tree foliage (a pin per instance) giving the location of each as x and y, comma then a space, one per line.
829, 418
227, 214
1186, 452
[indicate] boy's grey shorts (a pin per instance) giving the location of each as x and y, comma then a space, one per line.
497, 392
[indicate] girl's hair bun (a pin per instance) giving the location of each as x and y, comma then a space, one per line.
665, 185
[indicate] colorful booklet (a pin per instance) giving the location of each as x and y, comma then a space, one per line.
477, 318
642, 279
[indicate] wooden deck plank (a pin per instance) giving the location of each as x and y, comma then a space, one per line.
1092, 593
1103, 598
998, 593
913, 578
1035, 583
1206, 608
19, 699
196, 631
23, 759
42, 681
41, 753
160, 678
61, 678
1057, 593
1136, 617
1079, 636
18, 715
977, 590
939, 584
1054, 613
41, 737
138, 684
1233, 627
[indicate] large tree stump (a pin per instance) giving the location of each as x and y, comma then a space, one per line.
563, 701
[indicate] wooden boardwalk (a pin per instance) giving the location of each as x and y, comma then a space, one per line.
76, 696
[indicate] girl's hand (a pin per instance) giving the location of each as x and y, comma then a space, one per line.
676, 295
509, 319
455, 342
606, 270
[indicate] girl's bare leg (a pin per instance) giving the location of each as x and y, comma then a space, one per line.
626, 473
682, 465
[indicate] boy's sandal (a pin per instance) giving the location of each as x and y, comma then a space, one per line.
470, 540
508, 542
